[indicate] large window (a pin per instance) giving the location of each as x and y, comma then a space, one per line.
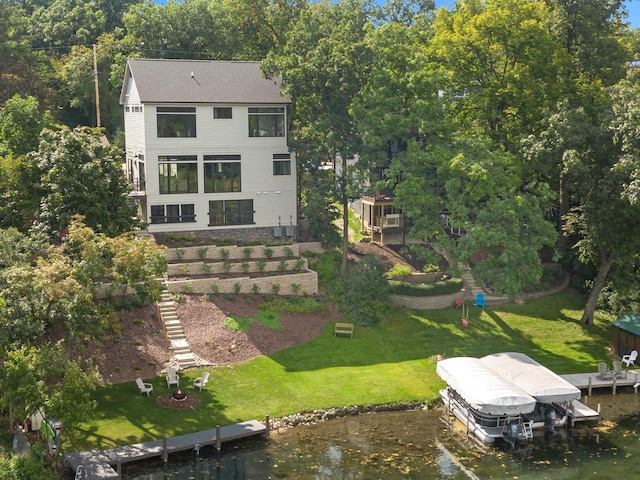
266, 122
222, 173
230, 212
173, 213
178, 174
282, 164
176, 122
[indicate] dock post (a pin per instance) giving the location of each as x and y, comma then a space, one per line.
267, 426
614, 385
589, 389
165, 452
218, 439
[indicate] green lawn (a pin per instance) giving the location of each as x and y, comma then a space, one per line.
388, 363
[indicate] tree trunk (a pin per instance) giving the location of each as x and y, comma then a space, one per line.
598, 285
564, 209
345, 219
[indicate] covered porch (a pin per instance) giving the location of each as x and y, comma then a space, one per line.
379, 218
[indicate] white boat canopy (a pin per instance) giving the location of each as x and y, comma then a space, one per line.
483, 389
535, 379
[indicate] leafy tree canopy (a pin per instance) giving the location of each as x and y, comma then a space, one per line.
82, 175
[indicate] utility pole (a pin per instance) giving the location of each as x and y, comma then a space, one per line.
95, 83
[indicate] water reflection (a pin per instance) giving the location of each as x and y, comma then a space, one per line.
415, 445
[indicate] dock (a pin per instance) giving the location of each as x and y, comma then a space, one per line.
588, 381
99, 464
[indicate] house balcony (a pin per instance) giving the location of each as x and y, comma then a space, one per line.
138, 188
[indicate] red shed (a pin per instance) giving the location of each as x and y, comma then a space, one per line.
625, 334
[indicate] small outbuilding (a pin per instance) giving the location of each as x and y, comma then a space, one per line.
625, 334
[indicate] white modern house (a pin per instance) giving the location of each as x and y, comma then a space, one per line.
206, 148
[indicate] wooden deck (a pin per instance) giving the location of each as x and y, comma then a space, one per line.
589, 381
98, 465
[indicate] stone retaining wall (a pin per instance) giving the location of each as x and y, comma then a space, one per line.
443, 301
307, 284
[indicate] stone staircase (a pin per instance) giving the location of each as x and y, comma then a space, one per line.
469, 282
182, 354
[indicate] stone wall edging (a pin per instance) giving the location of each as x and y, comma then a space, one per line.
442, 301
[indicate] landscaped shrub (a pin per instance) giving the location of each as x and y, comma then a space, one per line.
367, 292
399, 270
444, 287
430, 267
292, 305
327, 266
32, 466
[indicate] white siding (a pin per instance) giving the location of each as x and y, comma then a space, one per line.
274, 196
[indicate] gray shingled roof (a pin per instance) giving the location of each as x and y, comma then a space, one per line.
201, 81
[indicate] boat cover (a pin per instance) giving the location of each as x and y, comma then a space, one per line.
483, 389
534, 378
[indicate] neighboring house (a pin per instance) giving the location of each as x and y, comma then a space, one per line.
206, 149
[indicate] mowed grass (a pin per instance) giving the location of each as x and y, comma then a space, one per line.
392, 362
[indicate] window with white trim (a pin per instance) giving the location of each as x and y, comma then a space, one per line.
230, 212
222, 113
266, 122
178, 174
222, 173
282, 164
176, 122
173, 213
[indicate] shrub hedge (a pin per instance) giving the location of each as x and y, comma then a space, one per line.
444, 287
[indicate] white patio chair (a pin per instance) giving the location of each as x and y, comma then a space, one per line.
172, 378
144, 387
603, 372
631, 358
201, 382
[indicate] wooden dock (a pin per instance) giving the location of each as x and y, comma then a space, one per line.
98, 464
589, 381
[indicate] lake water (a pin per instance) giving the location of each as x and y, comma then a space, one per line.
416, 445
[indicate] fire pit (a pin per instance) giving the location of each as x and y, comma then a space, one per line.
179, 394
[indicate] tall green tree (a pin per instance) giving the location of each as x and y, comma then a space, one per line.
82, 175
599, 160
45, 379
592, 33
324, 63
200, 29
18, 60
21, 122
503, 66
